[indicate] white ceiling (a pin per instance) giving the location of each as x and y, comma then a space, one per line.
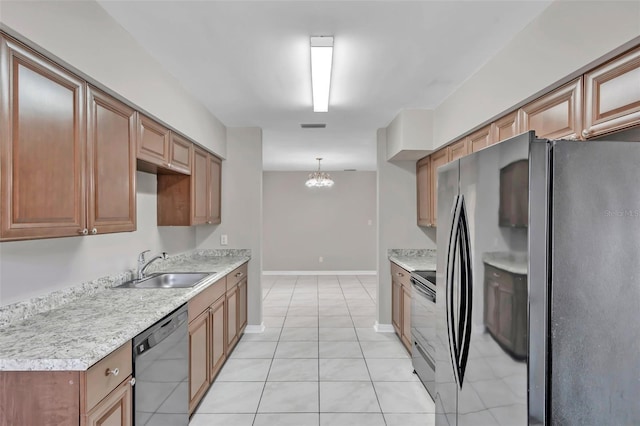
248, 62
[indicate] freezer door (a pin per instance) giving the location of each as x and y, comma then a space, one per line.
595, 283
446, 399
494, 389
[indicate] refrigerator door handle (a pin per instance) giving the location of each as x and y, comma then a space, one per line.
466, 291
459, 311
450, 304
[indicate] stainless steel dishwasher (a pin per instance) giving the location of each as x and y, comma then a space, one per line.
161, 369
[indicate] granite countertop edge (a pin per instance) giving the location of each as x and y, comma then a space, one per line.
515, 266
76, 335
413, 259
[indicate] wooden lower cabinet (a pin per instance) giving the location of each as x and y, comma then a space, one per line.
401, 304
115, 409
232, 318
85, 398
198, 358
215, 317
217, 337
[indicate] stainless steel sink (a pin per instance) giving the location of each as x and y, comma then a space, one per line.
168, 280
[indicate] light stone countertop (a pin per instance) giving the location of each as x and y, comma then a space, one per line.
81, 332
516, 263
413, 259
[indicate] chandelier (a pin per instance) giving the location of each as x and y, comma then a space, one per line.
319, 179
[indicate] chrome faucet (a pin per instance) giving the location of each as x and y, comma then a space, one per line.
143, 264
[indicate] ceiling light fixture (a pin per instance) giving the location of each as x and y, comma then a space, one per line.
319, 179
321, 58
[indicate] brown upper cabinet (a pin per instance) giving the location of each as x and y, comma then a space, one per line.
505, 128
479, 139
153, 144
112, 164
459, 149
191, 200
56, 177
423, 180
612, 96
555, 115
180, 154
438, 158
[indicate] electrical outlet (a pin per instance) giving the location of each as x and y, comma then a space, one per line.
224, 240
321, 259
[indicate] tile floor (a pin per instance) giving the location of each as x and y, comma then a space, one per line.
319, 362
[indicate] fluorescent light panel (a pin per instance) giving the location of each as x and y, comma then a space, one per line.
321, 58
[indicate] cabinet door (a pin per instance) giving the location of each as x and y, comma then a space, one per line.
438, 159
505, 128
396, 306
42, 147
242, 306
406, 317
556, 115
506, 316
612, 95
479, 139
232, 318
115, 409
423, 184
153, 142
198, 358
214, 191
491, 303
111, 161
458, 149
180, 154
199, 187
217, 337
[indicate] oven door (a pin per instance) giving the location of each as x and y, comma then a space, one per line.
423, 333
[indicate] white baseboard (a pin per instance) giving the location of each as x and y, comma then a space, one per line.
249, 329
383, 328
319, 272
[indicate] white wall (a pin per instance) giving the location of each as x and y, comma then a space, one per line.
241, 209
303, 224
564, 39
397, 213
84, 36
37, 267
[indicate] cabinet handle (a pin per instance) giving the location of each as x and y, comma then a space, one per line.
84, 231
495, 274
585, 133
113, 372
132, 382
94, 231
239, 274
400, 274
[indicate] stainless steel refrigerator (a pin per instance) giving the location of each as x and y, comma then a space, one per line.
538, 280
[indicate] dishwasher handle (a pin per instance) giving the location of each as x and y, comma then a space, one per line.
160, 331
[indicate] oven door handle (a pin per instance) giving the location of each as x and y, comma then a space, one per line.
425, 293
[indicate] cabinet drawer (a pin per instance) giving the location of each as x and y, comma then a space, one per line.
206, 298
101, 378
236, 276
400, 275
503, 278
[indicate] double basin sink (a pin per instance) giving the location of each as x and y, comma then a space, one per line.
167, 280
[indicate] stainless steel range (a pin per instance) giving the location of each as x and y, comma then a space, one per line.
423, 327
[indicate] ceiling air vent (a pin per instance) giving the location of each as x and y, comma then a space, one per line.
349, 170
313, 125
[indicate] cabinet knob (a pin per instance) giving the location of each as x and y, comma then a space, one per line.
94, 231
585, 133
84, 231
400, 274
208, 222
132, 382
113, 372
239, 274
